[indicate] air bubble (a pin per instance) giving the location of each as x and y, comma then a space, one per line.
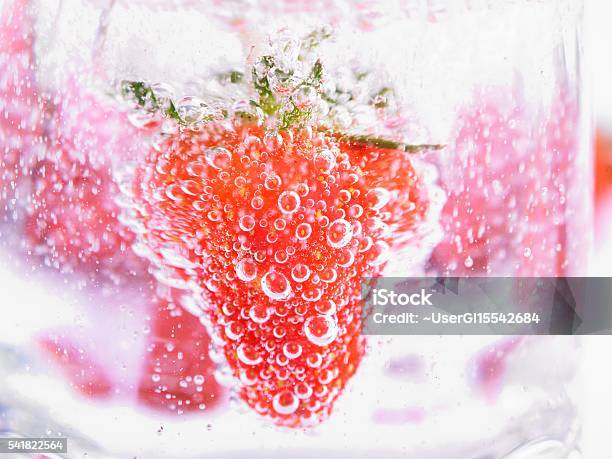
246, 270
281, 256
321, 330
248, 376
279, 331
303, 190
234, 330
272, 182
339, 233
303, 231
355, 211
312, 294
326, 307
218, 158
365, 244
190, 187
288, 202
346, 258
378, 197
292, 350
276, 286
214, 216
314, 360
280, 224
259, 314
345, 196
300, 272
302, 391
257, 202
192, 109
324, 161
248, 354
247, 223
173, 191
469, 262
196, 169
329, 275
285, 403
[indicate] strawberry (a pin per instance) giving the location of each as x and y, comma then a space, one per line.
488, 368
173, 374
276, 233
85, 374
482, 156
178, 374
21, 109
505, 181
603, 162
273, 209
73, 217
73, 221
553, 176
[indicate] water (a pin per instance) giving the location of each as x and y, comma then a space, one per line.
187, 217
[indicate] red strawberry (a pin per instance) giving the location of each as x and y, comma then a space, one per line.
505, 178
277, 232
481, 160
21, 110
555, 181
489, 367
73, 217
603, 160
603, 189
178, 373
74, 220
175, 374
86, 375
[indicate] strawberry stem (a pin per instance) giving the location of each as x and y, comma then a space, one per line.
145, 98
388, 144
289, 93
